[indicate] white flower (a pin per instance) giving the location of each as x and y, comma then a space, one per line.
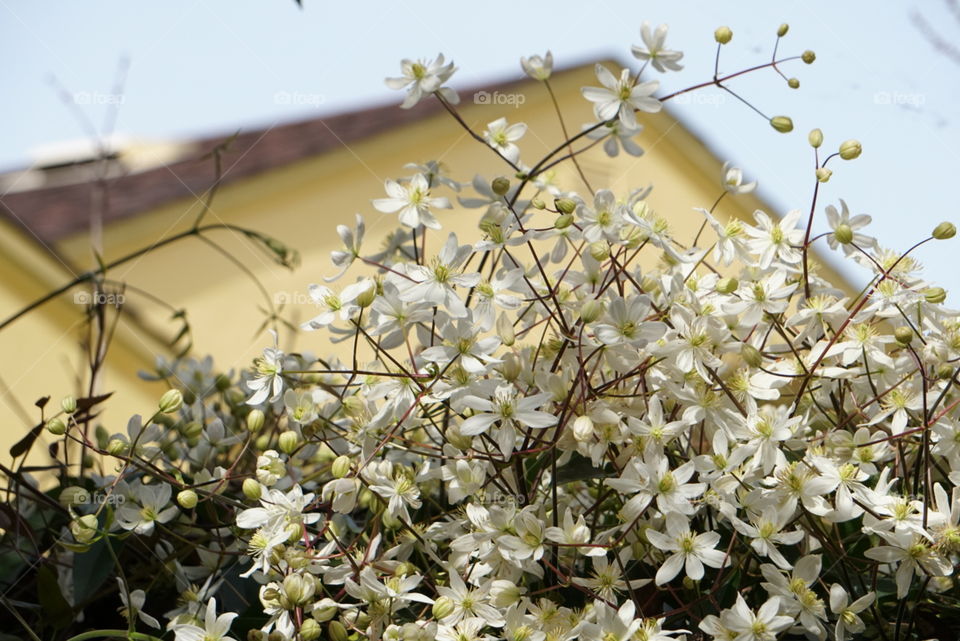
848, 621
776, 239
538, 67
835, 219
617, 135
661, 59
133, 605
434, 284
278, 509
732, 180
511, 410
268, 384
503, 138
148, 507
215, 628
424, 78
621, 97
763, 625
690, 551
910, 553
413, 202
352, 240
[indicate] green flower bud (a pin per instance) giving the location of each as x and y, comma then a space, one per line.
723, 35
815, 137
944, 371
600, 250
336, 631
823, 174
56, 427
537, 203
69, 404
591, 310
782, 30
256, 635
288, 442
116, 447
751, 355
727, 285
443, 607
808, 57
565, 205
843, 234
500, 185
563, 221
325, 609
171, 401
222, 382
262, 442
74, 495
904, 335
187, 499
793, 83
84, 528
944, 230
310, 630
255, 420
340, 467
850, 149
510, 367
935, 295
193, 429
783, 124
252, 489
276, 636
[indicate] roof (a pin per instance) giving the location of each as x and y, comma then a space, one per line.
53, 213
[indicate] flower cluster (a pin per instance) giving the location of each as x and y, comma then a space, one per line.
574, 425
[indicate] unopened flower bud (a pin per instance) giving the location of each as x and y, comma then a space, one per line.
782, 30
255, 420
727, 285
116, 447
340, 467
171, 401
751, 355
256, 635
222, 382
443, 607
187, 499
500, 185
945, 371
935, 295
843, 233
537, 203
793, 83
723, 35
252, 489
56, 427
325, 609
903, 334
310, 630
510, 367
600, 250
583, 428
74, 495
591, 310
783, 124
84, 528
69, 404
288, 442
193, 429
944, 230
815, 137
563, 221
808, 57
276, 635
823, 174
367, 296
505, 331
850, 149
336, 631
565, 205
299, 588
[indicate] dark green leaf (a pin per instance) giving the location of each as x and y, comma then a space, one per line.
56, 610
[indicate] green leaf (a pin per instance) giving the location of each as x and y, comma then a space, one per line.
580, 468
56, 610
91, 569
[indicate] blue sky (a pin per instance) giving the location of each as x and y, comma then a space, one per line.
205, 66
